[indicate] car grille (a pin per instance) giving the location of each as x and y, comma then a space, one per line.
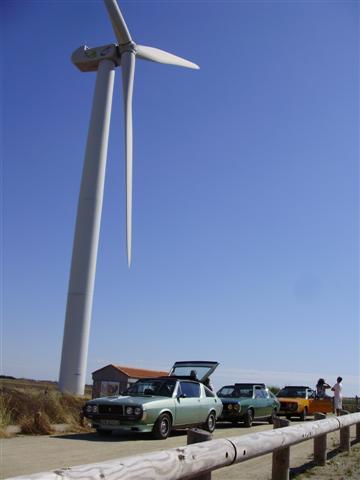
109, 409
288, 406
229, 411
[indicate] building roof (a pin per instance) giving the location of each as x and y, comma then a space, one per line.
135, 372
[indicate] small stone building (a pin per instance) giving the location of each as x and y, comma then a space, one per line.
114, 379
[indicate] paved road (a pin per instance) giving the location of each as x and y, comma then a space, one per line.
23, 455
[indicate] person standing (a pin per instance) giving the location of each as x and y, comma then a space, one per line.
208, 384
337, 389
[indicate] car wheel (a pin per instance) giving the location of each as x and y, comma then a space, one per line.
210, 422
272, 416
162, 427
248, 419
103, 433
303, 414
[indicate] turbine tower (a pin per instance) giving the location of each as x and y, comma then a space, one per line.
103, 59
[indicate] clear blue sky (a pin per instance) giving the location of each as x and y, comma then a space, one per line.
246, 189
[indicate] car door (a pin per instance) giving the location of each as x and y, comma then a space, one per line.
187, 403
260, 402
322, 405
268, 405
208, 401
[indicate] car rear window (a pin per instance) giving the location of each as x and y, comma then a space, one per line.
209, 393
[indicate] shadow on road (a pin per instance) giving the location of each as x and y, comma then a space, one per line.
295, 472
228, 425
115, 436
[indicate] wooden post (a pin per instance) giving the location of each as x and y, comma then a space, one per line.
281, 457
196, 435
344, 435
37, 420
358, 428
320, 444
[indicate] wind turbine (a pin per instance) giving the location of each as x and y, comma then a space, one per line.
103, 59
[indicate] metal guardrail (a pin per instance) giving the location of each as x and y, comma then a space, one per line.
198, 460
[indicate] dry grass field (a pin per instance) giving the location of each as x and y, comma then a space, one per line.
36, 405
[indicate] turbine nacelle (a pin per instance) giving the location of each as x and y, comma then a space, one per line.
87, 59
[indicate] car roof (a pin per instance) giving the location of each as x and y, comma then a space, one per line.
164, 377
262, 385
296, 386
169, 377
250, 384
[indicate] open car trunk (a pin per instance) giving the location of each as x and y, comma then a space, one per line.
202, 369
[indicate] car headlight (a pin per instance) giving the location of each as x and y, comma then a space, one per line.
137, 411
129, 410
236, 407
230, 406
92, 408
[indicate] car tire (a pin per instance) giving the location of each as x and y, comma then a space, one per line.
303, 414
210, 423
103, 433
272, 416
248, 419
162, 427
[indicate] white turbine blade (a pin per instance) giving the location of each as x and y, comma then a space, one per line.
159, 56
128, 71
120, 28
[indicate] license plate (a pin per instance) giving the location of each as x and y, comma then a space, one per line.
110, 422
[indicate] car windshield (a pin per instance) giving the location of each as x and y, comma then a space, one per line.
292, 392
235, 392
152, 386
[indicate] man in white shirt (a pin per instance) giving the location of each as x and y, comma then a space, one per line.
337, 389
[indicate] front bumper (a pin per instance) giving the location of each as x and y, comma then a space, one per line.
118, 426
117, 422
230, 417
290, 408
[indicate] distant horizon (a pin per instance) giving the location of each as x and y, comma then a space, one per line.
248, 374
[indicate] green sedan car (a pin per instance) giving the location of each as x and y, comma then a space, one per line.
161, 404
246, 402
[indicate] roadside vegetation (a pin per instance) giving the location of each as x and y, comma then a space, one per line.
36, 406
274, 389
352, 405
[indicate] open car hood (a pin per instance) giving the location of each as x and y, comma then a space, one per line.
203, 369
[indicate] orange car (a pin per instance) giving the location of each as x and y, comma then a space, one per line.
301, 401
